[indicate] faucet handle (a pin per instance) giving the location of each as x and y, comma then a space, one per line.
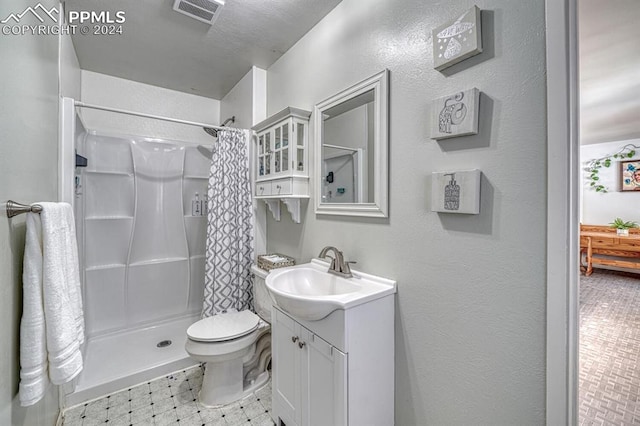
347, 268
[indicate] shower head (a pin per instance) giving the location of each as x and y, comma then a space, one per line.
214, 132
210, 131
205, 150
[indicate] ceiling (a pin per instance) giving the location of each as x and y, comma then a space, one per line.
164, 48
609, 64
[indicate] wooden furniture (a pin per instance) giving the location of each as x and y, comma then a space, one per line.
282, 172
601, 245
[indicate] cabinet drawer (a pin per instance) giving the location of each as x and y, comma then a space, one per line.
263, 188
281, 187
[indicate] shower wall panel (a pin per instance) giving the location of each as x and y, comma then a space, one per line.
143, 250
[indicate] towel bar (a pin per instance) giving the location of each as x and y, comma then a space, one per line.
14, 209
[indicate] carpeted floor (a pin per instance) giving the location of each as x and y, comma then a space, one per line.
609, 349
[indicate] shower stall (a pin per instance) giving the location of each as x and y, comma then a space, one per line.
141, 217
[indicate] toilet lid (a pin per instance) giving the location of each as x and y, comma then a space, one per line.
221, 327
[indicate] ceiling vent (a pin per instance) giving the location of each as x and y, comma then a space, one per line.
202, 10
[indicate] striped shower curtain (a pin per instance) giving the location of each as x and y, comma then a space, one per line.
229, 247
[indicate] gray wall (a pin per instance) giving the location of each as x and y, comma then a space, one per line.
470, 312
28, 173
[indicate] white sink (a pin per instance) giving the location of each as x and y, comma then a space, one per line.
311, 293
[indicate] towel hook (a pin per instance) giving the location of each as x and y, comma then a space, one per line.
14, 209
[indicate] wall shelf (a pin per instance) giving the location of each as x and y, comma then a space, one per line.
281, 161
109, 172
274, 207
293, 205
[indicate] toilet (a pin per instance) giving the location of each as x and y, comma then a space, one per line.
236, 347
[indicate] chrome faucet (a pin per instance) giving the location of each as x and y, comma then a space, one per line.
338, 264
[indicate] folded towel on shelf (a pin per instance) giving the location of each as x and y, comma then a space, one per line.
54, 303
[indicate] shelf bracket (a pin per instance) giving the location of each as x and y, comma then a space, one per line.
274, 206
293, 205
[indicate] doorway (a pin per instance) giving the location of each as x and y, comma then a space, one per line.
609, 300
563, 218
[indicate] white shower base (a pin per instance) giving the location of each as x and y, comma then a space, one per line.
120, 360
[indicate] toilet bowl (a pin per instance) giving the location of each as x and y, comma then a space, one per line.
236, 347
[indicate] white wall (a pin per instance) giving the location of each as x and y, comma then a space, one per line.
470, 321
69, 70
28, 173
115, 92
247, 101
69, 82
238, 103
601, 208
349, 129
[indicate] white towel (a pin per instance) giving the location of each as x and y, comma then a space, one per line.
33, 344
60, 300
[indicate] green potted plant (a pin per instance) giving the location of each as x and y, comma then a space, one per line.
623, 227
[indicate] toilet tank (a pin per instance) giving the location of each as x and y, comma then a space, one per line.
261, 297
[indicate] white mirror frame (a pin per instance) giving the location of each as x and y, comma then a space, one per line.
380, 206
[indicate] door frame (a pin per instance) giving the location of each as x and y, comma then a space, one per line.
563, 187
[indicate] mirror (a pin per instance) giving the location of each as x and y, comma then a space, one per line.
351, 145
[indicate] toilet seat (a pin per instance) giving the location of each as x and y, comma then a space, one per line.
223, 327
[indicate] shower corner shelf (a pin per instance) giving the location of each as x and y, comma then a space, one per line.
90, 268
109, 172
112, 217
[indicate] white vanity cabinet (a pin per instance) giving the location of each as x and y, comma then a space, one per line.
337, 371
281, 163
310, 380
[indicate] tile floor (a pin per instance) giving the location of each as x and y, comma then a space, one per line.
609, 349
170, 400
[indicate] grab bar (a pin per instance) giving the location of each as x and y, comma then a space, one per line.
14, 209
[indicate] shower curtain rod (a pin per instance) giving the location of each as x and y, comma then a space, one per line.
79, 104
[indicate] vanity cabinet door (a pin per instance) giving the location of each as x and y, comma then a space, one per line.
309, 377
286, 369
324, 383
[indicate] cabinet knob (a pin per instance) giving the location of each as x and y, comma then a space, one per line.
278, 187
301, 344
294, 339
